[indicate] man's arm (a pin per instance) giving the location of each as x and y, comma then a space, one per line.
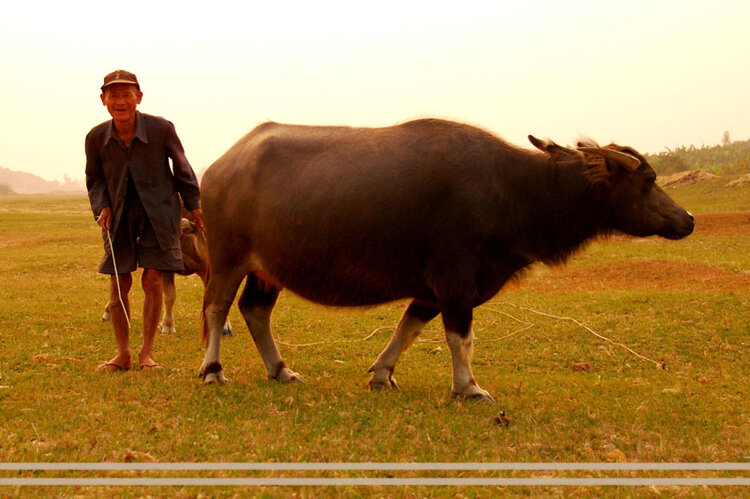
185, 179
95, 181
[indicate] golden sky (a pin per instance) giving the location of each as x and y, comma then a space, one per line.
649, 74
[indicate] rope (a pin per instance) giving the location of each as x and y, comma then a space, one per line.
117, 278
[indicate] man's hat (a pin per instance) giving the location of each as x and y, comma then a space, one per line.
121, 76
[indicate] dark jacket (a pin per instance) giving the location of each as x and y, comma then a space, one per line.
155, 142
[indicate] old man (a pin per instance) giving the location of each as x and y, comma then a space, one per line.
134, 191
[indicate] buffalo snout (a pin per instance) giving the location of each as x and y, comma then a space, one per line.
681, 226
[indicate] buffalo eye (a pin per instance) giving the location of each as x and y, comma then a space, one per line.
650, 182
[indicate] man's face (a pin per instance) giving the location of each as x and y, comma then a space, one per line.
121, 100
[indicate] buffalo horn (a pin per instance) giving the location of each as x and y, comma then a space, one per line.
629, 162
549, 146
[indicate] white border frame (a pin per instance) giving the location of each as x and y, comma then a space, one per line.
185, 481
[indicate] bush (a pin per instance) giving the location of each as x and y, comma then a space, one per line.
730, 159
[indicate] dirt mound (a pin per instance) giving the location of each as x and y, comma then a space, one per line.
685, 178
745, 179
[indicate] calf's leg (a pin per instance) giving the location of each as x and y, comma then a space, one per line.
256, 306
409, 327
106, 316
170, 297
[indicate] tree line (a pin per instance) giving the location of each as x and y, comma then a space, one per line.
730, 158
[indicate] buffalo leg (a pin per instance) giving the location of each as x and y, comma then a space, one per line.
460, 339
217, 300
409, 327
256, 306
170, 297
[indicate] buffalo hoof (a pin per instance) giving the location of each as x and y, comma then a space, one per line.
382, 379
213, 373
286, 375
167, 329
211, 378
227, 331
473, 392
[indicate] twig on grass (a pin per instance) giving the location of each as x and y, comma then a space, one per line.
528, 325
330, 342
661, 364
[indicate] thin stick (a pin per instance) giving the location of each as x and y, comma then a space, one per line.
330, 342
528, 325
117, 279
661, 364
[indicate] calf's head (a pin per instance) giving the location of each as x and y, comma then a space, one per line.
632, 202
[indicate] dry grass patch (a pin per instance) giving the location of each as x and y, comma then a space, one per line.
639, 274
737, 223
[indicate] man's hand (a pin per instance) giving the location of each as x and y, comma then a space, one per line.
105, 218
198, 217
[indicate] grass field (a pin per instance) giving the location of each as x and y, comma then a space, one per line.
684, 303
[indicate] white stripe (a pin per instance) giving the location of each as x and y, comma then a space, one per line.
27, 466
373, 481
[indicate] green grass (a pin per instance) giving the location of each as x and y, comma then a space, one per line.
57, 408
713, 195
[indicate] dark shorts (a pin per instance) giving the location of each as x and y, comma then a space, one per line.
136, 245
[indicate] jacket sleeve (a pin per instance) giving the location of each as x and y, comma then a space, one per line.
96, 184
185, 179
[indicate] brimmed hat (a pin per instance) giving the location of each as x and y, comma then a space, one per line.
121, 76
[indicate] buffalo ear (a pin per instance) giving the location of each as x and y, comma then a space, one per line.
597, 169
630, 163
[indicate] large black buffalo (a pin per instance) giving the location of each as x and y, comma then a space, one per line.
440, 212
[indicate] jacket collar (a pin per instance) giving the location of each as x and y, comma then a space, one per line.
140, 130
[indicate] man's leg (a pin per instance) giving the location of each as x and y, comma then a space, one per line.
120, 322
152, 288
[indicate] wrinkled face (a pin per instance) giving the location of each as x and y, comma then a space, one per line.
121, 101
641, 208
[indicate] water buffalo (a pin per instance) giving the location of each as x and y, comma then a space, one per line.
440, 212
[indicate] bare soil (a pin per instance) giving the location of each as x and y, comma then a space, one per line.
723, 223
653, 274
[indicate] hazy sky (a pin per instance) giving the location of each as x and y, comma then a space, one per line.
650, 74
